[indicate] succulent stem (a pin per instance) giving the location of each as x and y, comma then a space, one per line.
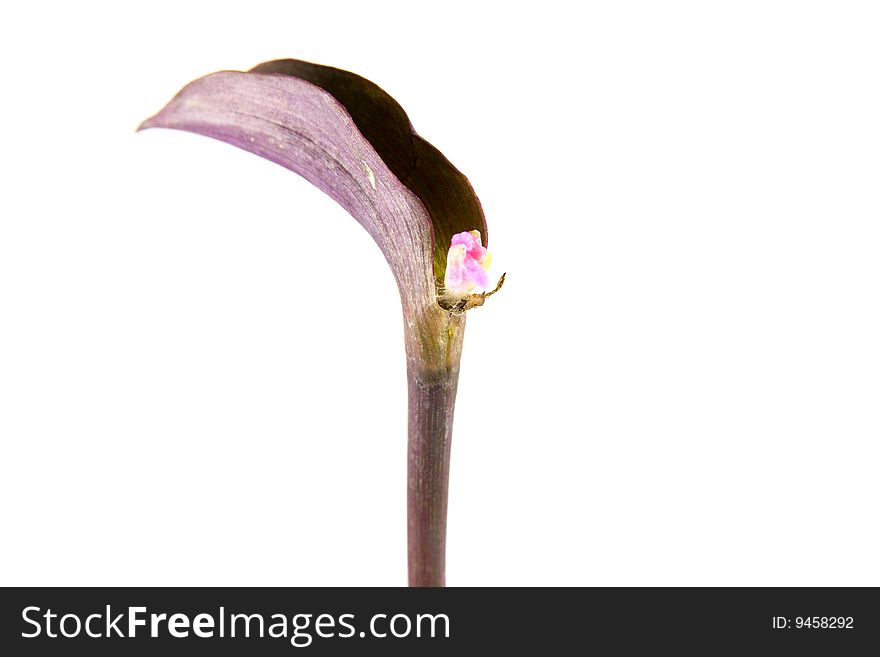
431, 409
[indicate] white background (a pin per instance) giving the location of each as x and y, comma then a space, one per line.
201, 359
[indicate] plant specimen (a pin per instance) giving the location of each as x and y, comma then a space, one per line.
353, 141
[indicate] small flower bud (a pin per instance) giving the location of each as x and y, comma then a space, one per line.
466, 264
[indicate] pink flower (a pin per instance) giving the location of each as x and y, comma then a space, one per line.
466, 264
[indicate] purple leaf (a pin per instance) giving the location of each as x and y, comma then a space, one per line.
353, 141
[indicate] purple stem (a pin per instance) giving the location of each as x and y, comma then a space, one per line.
431, 408
433, 379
